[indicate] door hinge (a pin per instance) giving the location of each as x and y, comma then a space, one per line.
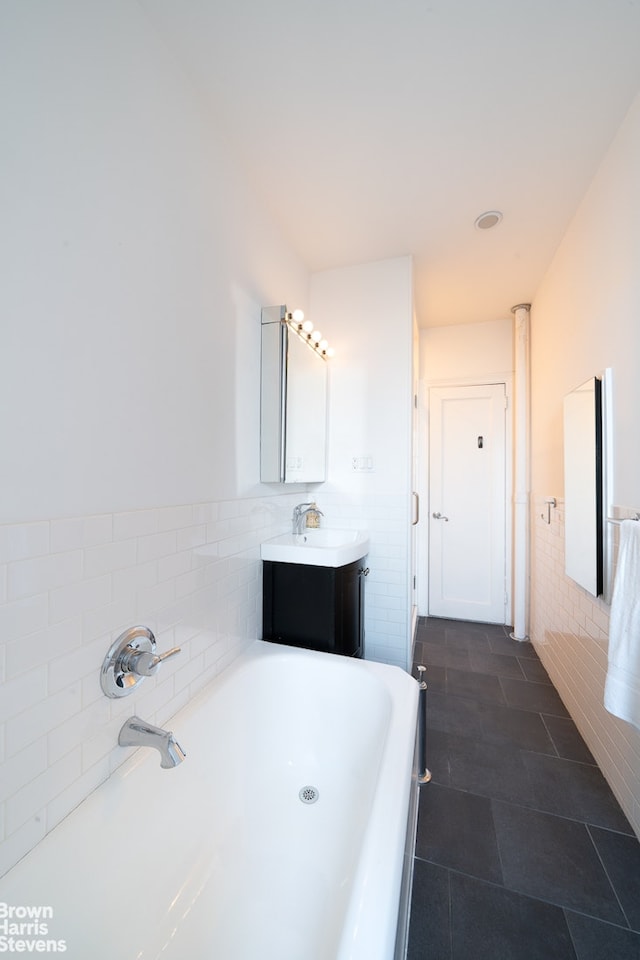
506, 402
414, 581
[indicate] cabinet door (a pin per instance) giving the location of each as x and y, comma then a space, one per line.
350, 613
319, 608
299, 605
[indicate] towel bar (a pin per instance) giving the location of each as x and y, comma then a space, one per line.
424, 774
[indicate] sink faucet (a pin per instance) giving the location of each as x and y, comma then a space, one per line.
139, 733
299, 513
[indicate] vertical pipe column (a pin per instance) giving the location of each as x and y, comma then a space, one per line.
521, 475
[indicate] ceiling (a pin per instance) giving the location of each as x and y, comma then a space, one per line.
380, 128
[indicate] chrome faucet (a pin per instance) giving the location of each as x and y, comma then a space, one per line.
299, 513
139, 733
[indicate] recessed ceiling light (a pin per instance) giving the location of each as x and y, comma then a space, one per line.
488, 220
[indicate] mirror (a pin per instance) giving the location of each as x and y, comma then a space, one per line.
583, 486
293, 422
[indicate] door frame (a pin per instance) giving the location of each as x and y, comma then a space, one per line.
423, 482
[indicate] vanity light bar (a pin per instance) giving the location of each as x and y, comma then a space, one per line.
314, 339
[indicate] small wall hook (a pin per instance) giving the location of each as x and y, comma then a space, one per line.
550, 502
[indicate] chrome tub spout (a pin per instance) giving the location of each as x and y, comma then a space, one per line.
139, 733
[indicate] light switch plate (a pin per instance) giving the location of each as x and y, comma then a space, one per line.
362, 464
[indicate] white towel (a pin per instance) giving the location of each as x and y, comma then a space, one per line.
622, 686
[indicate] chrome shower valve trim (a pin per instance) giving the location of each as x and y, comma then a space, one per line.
130, 659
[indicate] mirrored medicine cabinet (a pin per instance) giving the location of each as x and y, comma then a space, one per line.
293, 416
583, 486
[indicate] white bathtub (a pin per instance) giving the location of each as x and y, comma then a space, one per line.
219, 858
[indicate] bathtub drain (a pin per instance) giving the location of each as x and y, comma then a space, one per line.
309, 794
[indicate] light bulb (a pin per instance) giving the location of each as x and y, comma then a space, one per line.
307, 326
324, 344
316, 336
330, 352
298, 316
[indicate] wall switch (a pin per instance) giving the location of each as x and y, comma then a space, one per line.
362, 464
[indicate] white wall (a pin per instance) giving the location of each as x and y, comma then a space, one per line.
456, 354
584, 318
462, 354
366, 312
135, 263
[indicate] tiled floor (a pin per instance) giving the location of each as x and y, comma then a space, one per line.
522, 851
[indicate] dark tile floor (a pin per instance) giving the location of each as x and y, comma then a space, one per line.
522, 851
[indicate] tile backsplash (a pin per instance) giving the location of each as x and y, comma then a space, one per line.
570, 630
68, 588
192, 573
387, 605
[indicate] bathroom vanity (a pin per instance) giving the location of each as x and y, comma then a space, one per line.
318, 608
313, 590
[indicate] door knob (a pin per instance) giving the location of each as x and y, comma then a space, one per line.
439, 516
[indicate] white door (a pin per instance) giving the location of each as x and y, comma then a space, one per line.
467, 502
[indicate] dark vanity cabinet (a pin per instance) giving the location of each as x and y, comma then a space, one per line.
319, 608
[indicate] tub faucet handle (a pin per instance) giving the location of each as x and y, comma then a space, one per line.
145, 663
130, 659
168, 653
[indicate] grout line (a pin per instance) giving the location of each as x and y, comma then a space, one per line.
528, 896
606, 872
450, 911
549, 734
565, 910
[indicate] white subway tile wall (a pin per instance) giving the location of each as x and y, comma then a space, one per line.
570, 630
387, 600
68, 588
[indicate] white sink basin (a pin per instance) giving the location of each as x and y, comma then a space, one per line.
317, 548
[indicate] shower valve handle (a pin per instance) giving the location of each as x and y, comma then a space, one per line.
146, 664
130, 659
